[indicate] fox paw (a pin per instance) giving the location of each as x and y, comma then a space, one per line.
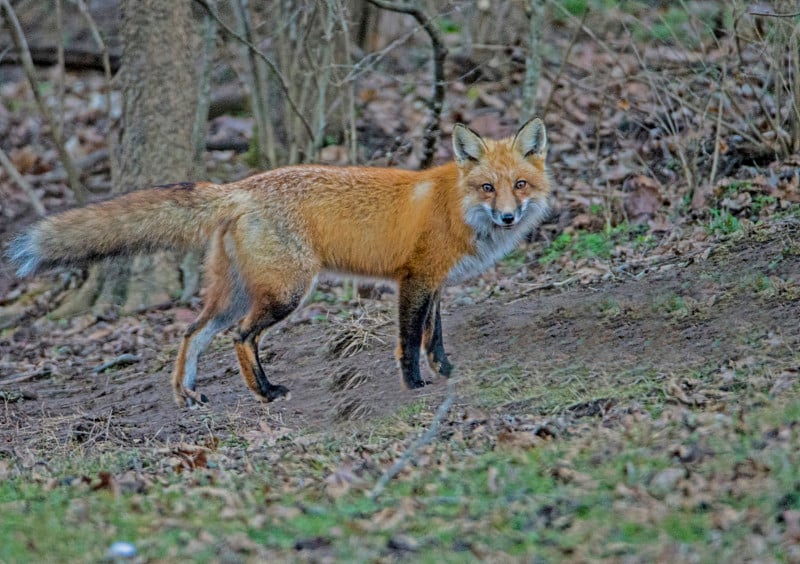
445, 368
275, 393
414, 384
190, 398
441, 367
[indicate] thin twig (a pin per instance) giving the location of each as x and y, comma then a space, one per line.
588, 31
98, 39
423, 440
204, 98
563, 64
718, 129
546, 286
18, 37
61, 67
257, 96
370, 60
762, 12
281, 80
12, 171
667, 121
432, 128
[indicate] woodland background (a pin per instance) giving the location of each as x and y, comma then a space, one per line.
628, 382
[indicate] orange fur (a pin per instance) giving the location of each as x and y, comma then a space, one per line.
270, 235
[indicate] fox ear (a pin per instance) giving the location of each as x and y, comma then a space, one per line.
467, 145
531, 139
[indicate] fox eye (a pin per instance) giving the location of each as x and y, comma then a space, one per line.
488, 188
520, 184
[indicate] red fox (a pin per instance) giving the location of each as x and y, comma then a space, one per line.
267, 237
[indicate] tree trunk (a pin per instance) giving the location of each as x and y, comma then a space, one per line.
154, 145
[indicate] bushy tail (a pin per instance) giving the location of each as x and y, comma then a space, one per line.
173, 216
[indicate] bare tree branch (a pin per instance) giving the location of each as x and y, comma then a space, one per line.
27, 64
258, 96
281, 80
204, 101
432, 128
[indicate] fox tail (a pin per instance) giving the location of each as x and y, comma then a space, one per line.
176, 216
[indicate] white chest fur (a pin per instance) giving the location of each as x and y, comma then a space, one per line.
493, 243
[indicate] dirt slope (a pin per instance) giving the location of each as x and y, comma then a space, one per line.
547, 351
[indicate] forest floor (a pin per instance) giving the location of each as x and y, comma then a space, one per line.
627, 385
654, 416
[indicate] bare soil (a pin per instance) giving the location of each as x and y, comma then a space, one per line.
734, 305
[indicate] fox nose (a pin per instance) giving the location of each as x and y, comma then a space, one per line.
507, 218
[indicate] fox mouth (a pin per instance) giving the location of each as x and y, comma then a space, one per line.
503, 225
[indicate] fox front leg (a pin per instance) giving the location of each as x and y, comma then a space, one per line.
432, 341
414, 306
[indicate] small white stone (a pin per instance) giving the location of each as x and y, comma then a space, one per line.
121, 549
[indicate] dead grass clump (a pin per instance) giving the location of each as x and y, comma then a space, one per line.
356, 334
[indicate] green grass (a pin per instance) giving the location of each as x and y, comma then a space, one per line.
515, 258
560, 499
598, 245
722, 223
575, 7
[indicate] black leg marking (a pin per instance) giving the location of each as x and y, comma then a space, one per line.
246, 344
414, 306
434, 347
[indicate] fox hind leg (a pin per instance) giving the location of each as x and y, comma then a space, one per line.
227, 302
198, 336
432, 341
266, 312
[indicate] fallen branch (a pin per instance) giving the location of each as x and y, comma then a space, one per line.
18, 378
121, 360
228, 100
75, 59
11, 396
423, 440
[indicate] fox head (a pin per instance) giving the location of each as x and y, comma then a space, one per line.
504, 181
